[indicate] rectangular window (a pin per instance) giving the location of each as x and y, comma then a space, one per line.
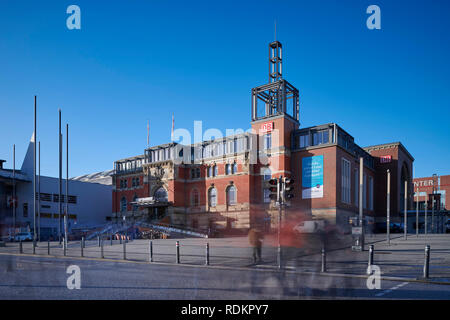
320, 137
216, 171
345, 181
267, 141
166, 154
72, 199
304, 141
25, 210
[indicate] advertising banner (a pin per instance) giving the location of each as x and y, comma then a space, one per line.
312, 177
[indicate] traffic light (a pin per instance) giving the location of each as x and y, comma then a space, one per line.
288, 189
272, 186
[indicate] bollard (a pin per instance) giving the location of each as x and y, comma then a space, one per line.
178, 251
324, 260
124, 250
207, 254
120, 239
82, 246
48, 247
64, 246
83, 242
98, 240
101, 250
111, 239
34, 246
370, 263
150, 249
20, 247
426, 267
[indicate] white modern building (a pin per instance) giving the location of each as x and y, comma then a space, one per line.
89, 203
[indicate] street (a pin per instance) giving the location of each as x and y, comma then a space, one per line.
26, 277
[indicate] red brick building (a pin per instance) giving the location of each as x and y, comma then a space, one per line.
219, 183
435, 187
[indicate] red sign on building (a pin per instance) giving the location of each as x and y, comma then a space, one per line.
385, 159
267, 127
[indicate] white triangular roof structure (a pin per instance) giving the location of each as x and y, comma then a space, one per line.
28, 161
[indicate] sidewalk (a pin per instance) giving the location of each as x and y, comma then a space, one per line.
402, 258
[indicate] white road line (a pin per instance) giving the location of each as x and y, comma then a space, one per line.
380, 294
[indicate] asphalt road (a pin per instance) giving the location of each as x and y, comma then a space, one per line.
27, 277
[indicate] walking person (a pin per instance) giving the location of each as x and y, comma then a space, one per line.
255, 238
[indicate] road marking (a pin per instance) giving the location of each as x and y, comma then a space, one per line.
391, 289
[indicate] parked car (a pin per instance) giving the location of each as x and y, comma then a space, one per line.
23, 236
309, 226
380, 227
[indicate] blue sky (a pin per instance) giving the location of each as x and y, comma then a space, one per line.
134, 61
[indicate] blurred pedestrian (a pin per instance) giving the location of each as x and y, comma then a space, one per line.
255, 238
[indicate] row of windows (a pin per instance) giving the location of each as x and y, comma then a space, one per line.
231, 191
48, 197
213, 149
213, 171
45, 215
230, 195
129, 165
346, 186
314, 138
135, 182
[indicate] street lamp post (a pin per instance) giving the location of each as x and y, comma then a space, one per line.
405, 218
388, 207
14, 190
432, 205
361, 190
426, 216
417, 213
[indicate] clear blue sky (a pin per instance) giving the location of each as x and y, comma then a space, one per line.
134, 61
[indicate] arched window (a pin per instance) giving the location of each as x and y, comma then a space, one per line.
227, 168
161, 194
212, 197
195, 198
209, 171
123, 204
266, 175
234, 168
215, 171
231, 195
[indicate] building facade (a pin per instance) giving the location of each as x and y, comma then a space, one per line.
88, 204
219, 184
432, 191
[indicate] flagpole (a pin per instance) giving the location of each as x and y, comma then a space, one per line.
148, 133
173, 124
